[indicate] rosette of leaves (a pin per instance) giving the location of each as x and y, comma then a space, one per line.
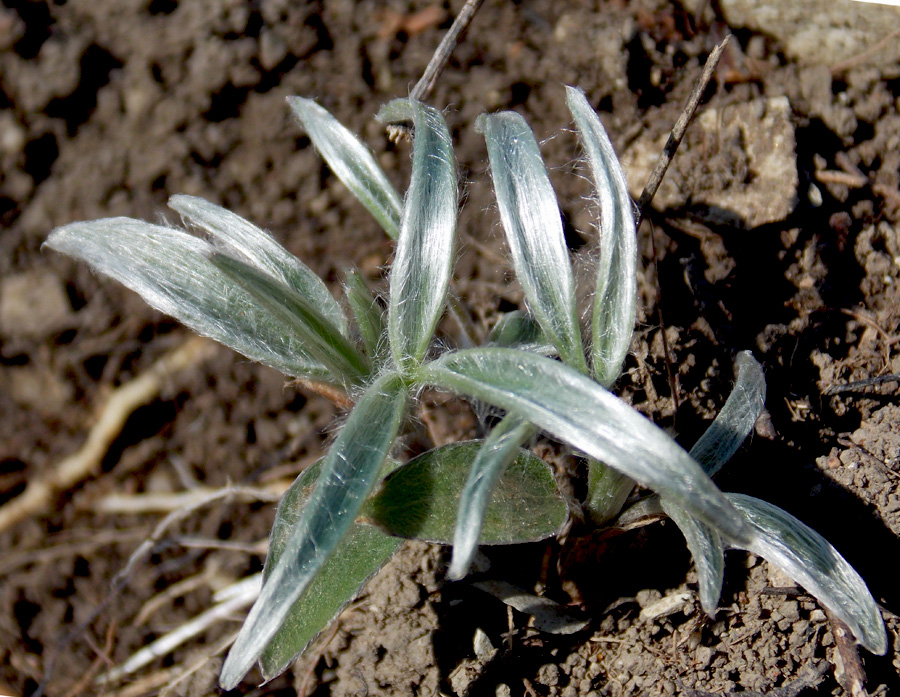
344, 517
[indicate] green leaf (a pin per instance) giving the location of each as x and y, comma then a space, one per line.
240, 239
518, 329
171, 270
420, 499
583, 414
534, 230
362, 552
714, 448
422, 265
805, 556
500, 448
349, 472
708, 551
607, 492
321, 338
352, 162
367, 312
614, 301
736, 419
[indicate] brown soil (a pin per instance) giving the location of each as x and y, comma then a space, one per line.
776, 232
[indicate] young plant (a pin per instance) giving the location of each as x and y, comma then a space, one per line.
343, 518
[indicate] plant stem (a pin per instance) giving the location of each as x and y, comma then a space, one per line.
608, 490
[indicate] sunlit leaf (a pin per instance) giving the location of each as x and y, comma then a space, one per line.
352, 162
534, 230
421, 270
805, 556
736, 419
367, 312
420, 499
321, 338
583, 414
240, 239
614, 301
349, 471
714, 448
171, 270
362, 552
499, 449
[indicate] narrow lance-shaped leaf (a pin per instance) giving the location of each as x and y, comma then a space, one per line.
499, 449
358, 556
321, 338
171, 270
349, 472
614, 301
352, 162
534, 230
708, 552
714, 448
242, 240
736, 419
578, 411
805, 556
367, 312
419, 500
421, 270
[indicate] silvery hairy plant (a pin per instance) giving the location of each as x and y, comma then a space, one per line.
344, 517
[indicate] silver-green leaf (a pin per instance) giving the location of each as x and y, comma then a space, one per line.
242, 240
352, 162
423, 262
171, 270
499, 449
362, 552
736, 419
321, 338
614, 301
583, 414
714, 448
533, 226
419, 500
808, 558
349, 472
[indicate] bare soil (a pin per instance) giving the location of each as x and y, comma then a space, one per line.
778, 231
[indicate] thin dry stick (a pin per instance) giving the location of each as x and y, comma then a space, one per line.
444, 50
121, 403
438, 61
865, 55
680, 128
656, 177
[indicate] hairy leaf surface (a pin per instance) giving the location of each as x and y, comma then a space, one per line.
321, 338
583, 414
352, 162
242, 240
809, 559
534, 230
421, 270
171, 270
362, 552
349, 472
614, 301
